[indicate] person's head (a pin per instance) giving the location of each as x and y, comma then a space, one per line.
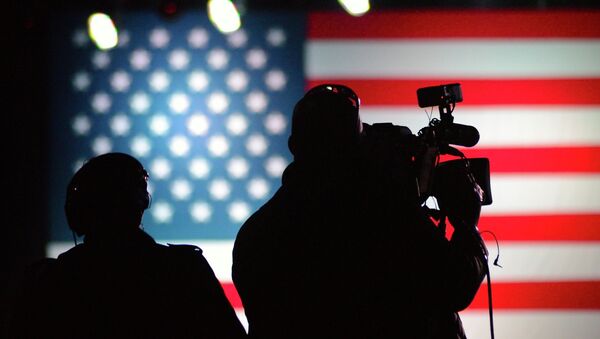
325, 124
107, 194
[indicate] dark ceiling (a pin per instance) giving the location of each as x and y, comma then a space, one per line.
42, 5
30, 13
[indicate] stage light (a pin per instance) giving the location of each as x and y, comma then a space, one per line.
102, 31
355, 7
169, 8
224, 15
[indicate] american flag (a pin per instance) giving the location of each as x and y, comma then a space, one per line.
208, 115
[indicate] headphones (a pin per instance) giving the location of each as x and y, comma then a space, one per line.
340, 90
326, 110
105, 184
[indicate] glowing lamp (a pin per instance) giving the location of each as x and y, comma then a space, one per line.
224, 15
355, 7
102, 31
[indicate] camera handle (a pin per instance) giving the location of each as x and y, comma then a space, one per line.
446, 110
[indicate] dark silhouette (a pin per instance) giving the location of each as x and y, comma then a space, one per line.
120, 283
343, 250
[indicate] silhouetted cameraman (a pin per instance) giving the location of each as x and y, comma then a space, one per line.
344, 249
120, 283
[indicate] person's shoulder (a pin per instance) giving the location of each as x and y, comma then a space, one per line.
182, 254
183, 249
187, 262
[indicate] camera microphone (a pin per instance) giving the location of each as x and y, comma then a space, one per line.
462, 135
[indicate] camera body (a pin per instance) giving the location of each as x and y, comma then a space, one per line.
441, 96
419, 154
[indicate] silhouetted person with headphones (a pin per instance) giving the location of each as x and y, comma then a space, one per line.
343, 250
120, 283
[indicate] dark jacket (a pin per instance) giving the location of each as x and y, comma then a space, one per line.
339, 253
125, 287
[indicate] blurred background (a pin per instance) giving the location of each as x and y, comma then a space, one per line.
204, 101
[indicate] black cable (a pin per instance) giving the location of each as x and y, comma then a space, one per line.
489, 281
491, 308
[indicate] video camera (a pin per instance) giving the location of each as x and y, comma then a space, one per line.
421, 152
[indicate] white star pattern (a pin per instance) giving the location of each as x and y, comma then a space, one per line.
219, 189
120, 81
160, 124
160, 168
159, 38
81, 124
218, 145
140, 146
120, 124
198, 124
275, 123
181, 189
257, 101
257, 145
179, 59
81, 81
80, 38
238, 167
202, 111
217, 102
275, 80
217, 59
275, 165
238, 211
140, 59
276, 37
200, 212
139, 103
101, 145
237, 39
101, 60
179, 103
198, 38
199, 168
179, 145
198, 81
256, 58
101, 102
237, 80
237, 124
124, 38
258, 188
162, 212
159, 81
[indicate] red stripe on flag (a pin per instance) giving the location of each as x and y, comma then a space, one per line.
455, 24
394, 92
540, 295
567, 227
538, 159
517, 295
232, 294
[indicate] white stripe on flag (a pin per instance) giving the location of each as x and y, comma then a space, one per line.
533, 324
464, 58
218, 253
506, 125
527, 261
523, 324
546, 261
522, 194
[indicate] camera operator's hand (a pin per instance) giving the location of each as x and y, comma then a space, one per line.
458, 195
